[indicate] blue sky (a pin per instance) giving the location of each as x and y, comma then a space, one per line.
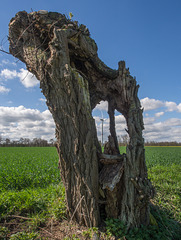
146, 34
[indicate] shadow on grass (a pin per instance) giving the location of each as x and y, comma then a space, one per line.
162, 227
170, 228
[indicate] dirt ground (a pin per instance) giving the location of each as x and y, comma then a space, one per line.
51, 230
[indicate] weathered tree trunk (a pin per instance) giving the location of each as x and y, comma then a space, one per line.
73, 79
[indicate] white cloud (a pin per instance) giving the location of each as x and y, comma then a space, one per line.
25, 77
4, 89
120, 119
17, 122
150, 104
179, 107
148, 120
171, 106
159, 114
103, 105
168, 130
7, 74
172, 122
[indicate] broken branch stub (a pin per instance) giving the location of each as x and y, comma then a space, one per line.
63, 56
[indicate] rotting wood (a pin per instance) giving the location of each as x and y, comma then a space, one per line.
63, 57
111, 157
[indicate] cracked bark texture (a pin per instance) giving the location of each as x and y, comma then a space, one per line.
63, 56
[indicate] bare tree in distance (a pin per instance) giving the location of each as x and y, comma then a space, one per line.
63, 57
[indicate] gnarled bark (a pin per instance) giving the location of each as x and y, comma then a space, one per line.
74, 80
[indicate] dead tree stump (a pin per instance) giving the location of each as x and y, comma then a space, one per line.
63, 56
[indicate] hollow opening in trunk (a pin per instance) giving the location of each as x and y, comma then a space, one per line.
121, 129
111, 127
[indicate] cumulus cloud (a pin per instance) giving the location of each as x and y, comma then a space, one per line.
17, 122
159, 114
103, 105
171, 106
179, 107
151, 104
25, 77
4, 89
173, 122
148, 120
168, 130
7, 74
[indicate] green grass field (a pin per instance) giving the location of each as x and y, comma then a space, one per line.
164, 170
30, 187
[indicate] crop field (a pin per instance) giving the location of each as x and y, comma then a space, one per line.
164, 170
32, 195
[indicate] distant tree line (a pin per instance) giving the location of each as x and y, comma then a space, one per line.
124, 139
39, 142
153, 143
26, 142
